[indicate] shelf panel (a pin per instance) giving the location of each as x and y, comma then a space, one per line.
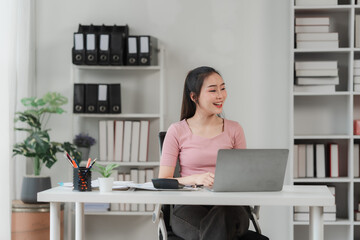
337, 222
328, 8
132, 164
297, 137
321, 94
312, 50
322, 180
118, 213
122, 115
118, 68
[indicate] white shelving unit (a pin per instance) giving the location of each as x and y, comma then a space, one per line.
328, 117
142, 98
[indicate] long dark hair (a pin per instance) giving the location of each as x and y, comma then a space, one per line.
193, 83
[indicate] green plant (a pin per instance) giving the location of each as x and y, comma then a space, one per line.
105, 171
37, 144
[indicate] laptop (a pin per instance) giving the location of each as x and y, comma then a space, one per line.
250, 170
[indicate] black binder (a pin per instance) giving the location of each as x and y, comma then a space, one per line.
117, 44
79, 98
103, 99
132, 50
91, 96
104, 45
148, 47
78, 50
91, 53
114, 98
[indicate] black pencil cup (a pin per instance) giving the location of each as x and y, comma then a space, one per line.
82, 179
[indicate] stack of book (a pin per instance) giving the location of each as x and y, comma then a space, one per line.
314, 32
315, 2
357, 75
316, 76
316, 160
137, 176
301, 213
125, 141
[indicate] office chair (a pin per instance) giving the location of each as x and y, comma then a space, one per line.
162, 214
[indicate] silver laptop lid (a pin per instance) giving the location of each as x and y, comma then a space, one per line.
250, 170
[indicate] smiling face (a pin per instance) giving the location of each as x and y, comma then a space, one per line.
212, 95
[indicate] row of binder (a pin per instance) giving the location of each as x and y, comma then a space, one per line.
97, 98
112, 45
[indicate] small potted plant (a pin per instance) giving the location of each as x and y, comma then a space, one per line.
83, 143
105, 182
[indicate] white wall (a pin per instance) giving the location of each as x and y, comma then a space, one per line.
247, 41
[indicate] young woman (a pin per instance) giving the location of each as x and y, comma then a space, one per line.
195, 141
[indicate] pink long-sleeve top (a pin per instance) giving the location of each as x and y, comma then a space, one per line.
198, 154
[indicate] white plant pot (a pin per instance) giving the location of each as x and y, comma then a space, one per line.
106, 184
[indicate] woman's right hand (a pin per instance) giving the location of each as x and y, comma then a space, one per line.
206, 179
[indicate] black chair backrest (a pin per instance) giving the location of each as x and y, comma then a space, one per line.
161, 140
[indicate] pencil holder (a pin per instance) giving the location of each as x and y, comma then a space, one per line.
82, 179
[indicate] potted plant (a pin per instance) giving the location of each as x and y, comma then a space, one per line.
84, 142
105, 182
37, 145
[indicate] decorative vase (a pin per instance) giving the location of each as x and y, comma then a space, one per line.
85, 151
31, 185
106, 184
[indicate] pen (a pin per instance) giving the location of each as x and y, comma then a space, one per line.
70, 162
90, 166
88, 163
74, 163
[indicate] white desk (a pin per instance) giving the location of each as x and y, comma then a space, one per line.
314, 196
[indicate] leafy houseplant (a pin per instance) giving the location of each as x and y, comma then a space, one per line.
106, 182
37, 144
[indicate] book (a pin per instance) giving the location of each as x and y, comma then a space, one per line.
102, 140
309, 160
314, 88
317, 44
127, 141
144, 141
115, 206
119, 137
142, 179
134, 176
302, 160
127, 178
316, 65
326, 36
316, 72
135, 140
317, 80
121, 177
356, 160
357, 79
320, 160
356, 127
334, 159
357, 216
149, 175
356, 87
357, 31
356, 72
312, 21
296, 161
356, 63
315, 2
312, 29
110, 140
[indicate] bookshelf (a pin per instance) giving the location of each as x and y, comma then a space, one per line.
143, 98
327, 117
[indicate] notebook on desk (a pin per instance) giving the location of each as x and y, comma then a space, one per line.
250, 170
